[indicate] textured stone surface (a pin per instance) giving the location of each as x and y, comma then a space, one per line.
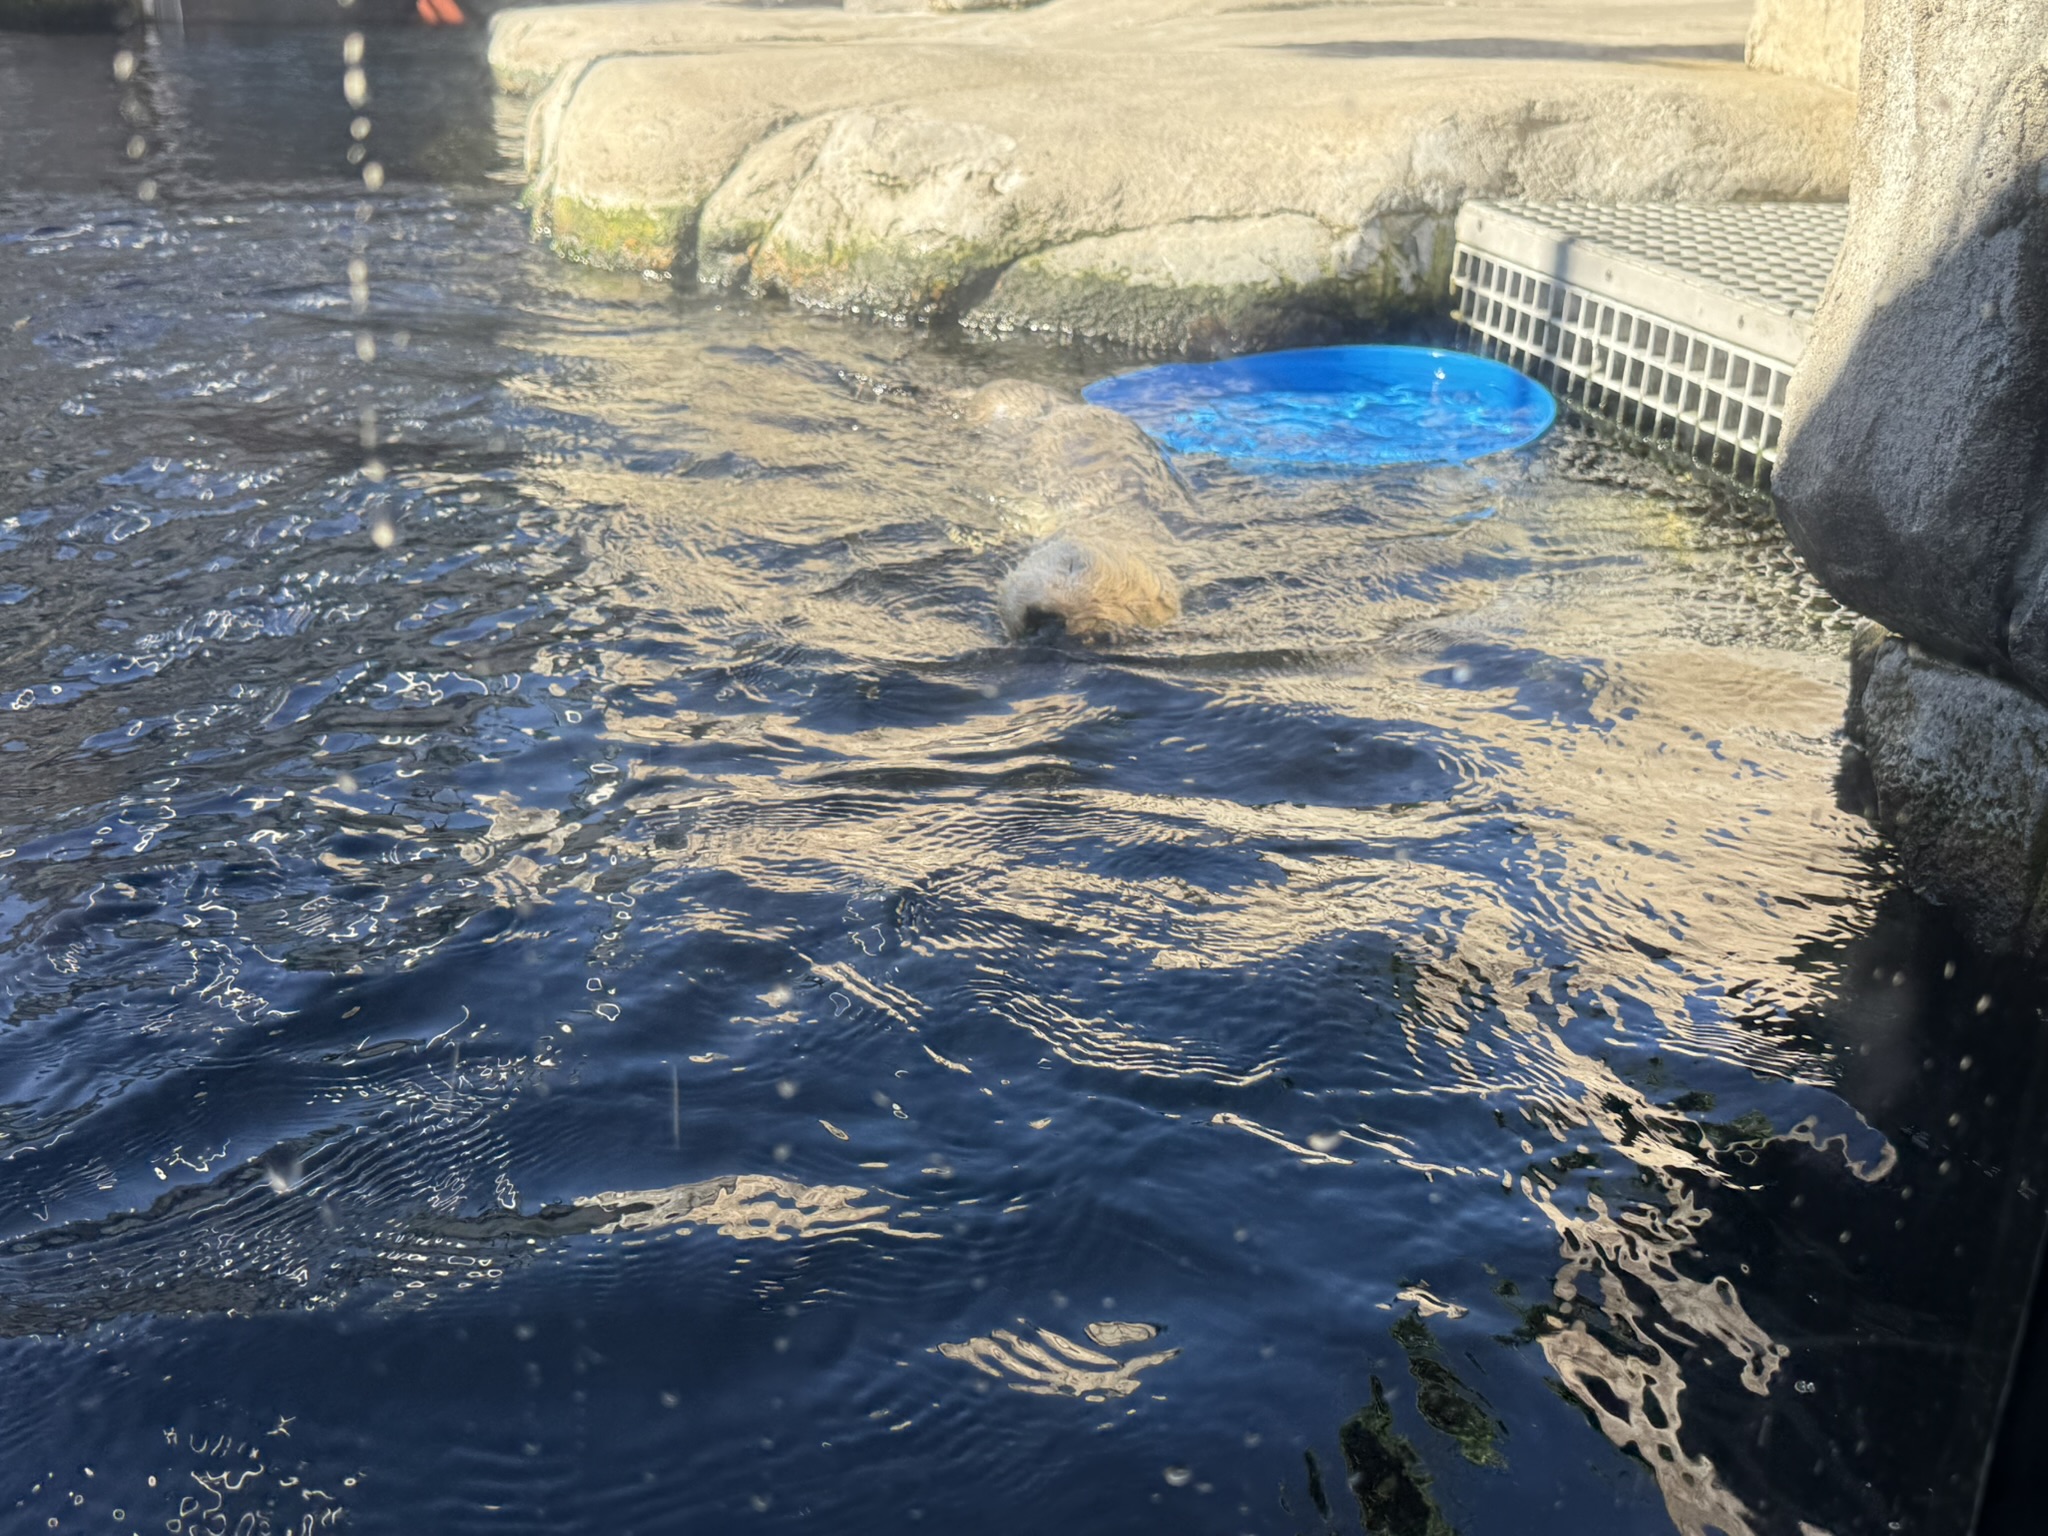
1814, 39
1959, 762
1179, 173
1914, 476
1220, 284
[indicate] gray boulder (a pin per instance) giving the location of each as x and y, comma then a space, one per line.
1914, 476
1958, 762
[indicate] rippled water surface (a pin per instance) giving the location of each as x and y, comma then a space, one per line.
561, 975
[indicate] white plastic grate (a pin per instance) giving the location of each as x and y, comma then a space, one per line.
1681, 322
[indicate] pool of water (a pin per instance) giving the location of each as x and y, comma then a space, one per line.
559, 974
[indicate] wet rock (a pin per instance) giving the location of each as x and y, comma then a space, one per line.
894, 214
1958, 762
1221, 285
1814, 39
1183, 174
1914, 476
623, 187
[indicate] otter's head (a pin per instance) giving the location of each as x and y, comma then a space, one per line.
1091, 587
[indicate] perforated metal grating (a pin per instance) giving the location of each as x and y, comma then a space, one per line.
1681, 322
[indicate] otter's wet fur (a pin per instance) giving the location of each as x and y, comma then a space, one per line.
1098, 496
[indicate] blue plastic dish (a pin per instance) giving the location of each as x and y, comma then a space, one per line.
1329, 410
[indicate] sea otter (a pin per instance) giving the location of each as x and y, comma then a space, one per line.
1100, 498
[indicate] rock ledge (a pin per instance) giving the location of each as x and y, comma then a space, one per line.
1179, 174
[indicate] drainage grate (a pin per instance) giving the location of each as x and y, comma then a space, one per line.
1681, 322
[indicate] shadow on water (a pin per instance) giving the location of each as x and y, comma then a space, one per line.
580, 985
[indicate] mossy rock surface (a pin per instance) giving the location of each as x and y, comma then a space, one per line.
629, 239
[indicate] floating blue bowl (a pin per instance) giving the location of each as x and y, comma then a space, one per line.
1329, 410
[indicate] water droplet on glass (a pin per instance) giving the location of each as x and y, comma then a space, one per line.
352, 48
359, 129
366, 346
373, 176
355, 85
1179, 1477
138, 146
785, 1089
146, 190
383, 535
1326, 1141
124, 66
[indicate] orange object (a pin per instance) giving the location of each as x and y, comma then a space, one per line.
440, 13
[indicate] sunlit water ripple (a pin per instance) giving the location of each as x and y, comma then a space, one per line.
630, 1006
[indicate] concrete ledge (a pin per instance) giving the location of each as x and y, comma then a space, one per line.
1172, 173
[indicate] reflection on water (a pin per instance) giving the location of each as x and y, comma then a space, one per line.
749, 1206
1050, 1363
578, 981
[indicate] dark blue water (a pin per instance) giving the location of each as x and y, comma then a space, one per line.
559, 975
